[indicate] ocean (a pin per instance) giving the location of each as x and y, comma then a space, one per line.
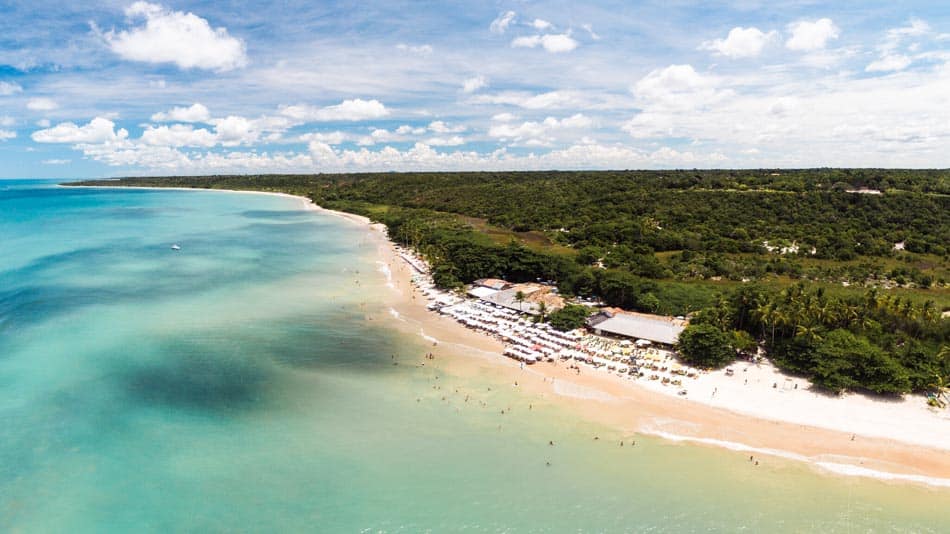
248, 383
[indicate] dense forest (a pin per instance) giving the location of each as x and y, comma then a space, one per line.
840, 274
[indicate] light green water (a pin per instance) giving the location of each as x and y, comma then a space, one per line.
237, 386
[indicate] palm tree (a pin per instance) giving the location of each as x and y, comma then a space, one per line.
776, 316
519, 297
808, 332
941, 383
542, 311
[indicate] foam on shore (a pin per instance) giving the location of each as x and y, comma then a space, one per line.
837, 468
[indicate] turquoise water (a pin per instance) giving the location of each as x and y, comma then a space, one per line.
237, 385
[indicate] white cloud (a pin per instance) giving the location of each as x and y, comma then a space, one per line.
7, 134
548, 100
455, 140
98, 130
891, 59
811, 35
378, 135
442, 127
9, 88
332, 138
184, 39
534, 133
474, 84
178, 135
541, 24
740, 43
41, 104
554, 43
422, 50
348, 110
504, 117
678, 87
194, 113
530, 41
43, 123
6, 121
405, 129
56, 161
915, 28
889, 63
322, 157
234, 130
590, 31
501, 23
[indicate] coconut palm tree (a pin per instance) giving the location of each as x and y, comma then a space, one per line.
542, 311
519, 297
941, 383
808, 332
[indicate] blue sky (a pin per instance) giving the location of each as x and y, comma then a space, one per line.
130, 88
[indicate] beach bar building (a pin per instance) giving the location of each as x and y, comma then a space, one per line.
486, 287
642, 326
532, 295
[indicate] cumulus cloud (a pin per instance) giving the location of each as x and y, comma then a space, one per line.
194, 113
9, 88
538, 133
331, 138
406, 129
348, 110
234, 130
321, 157
474, 83
56, 161
6, 134
811, 35
442, 127
178, 135
552, 42
41, 104
541, 24
740, 43
501, 23
184, 39
454, 140
678, 87
97, 131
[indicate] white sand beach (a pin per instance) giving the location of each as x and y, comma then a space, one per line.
757, 410
855, 435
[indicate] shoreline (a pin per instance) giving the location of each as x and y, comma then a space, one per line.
640, 407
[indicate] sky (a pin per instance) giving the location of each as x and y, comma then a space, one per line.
118, 88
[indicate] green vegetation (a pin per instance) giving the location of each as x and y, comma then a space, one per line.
706, 346
831, 296
569, 317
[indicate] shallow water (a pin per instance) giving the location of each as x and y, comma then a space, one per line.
237, 385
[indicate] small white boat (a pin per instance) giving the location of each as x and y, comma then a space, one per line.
176, 247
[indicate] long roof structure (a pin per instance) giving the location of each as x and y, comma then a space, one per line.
656, 328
